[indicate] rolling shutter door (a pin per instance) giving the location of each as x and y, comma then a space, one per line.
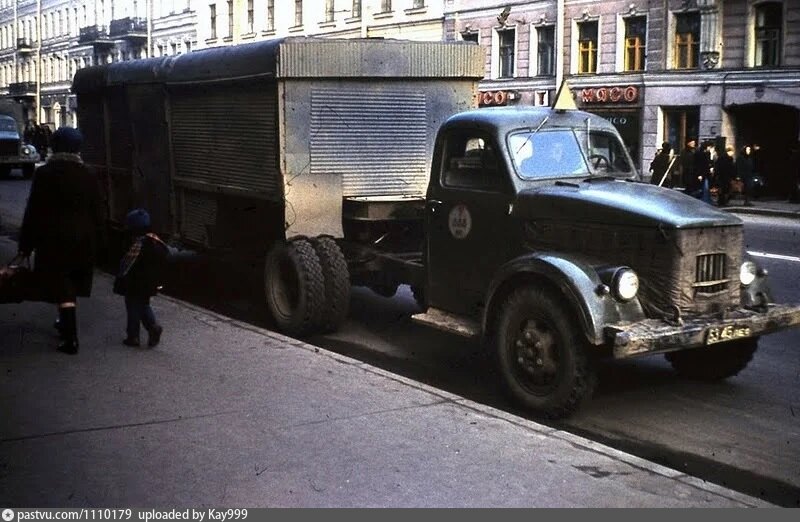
375, 139
225, 135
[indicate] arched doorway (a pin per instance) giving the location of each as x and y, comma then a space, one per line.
775, 128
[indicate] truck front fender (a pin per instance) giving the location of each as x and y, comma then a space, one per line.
575, 279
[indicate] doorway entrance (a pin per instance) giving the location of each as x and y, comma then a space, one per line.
775, 128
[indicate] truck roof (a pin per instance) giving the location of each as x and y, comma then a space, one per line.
501, 120
295, 57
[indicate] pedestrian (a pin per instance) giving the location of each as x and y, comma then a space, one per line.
687, 165
40, 141
701, 171
139, 277
64, 225
29, 134
745, 172
661, 165
724, 172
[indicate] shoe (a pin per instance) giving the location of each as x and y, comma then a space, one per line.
131, 341
70, 347
155, 335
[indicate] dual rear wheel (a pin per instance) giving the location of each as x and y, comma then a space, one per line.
307, 285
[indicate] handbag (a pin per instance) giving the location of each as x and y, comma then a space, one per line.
17, 281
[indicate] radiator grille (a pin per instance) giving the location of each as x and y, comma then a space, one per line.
710, 273
9, 147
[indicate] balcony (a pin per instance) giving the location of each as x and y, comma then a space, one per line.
25, 46
22, 89
129, 29
95, 35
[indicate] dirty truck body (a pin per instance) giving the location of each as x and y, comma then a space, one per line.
358, 162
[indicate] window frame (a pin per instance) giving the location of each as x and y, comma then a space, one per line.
506, 59
551, 53
635, 46
684, 44
774, 41
588, 48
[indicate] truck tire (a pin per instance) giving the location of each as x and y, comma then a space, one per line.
294, 287
543, 358
337, 283
714, 363
27, 171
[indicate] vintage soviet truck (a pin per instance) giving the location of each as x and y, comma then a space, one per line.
14, 153
334, 163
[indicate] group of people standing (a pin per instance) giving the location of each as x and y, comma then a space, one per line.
64, 226
39, 136
700, 169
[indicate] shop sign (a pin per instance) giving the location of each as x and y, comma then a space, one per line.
629, 94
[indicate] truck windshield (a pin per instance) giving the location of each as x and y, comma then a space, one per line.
547, 154
7, 125
606, 154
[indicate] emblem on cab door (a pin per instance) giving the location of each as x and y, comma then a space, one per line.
459, 221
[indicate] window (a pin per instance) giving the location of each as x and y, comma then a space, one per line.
545, 52
356, 9
687, 40
188, 45
470, 162
506, 53
270, 15
470, 36
250, 17
213, 17
230, 18
418, 4
635, 34
329, 10
546, 154
769, 22
587, 47
298, 13
386, 6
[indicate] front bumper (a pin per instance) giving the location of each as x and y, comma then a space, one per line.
658, 336
17, 160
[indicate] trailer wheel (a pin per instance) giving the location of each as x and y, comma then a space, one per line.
714, 363
337, 283
294, 287
543, 359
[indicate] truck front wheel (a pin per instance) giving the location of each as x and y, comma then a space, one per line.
27, 171
294, 287
716, 362
543, 359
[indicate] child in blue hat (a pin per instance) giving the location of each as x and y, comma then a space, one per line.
139, 278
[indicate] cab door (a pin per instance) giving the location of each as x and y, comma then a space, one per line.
468, 224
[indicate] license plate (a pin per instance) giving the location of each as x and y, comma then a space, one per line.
719, 334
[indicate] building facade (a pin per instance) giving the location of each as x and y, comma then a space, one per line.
660, 70
227, 22
43, 43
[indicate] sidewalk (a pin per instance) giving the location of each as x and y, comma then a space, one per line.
769, 207
228, 414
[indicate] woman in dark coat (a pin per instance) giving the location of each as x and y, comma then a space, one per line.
64, 226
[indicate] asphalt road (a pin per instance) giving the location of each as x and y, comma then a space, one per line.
743, 433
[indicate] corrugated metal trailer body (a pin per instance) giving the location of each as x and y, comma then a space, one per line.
296, 123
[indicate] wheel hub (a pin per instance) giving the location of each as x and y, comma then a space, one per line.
535, 353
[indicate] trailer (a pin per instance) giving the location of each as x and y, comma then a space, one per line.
309, 155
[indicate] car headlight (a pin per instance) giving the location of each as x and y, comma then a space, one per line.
747, 273
625, 284
26, 151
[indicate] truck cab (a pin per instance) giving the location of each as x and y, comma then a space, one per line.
13, 152
541, 238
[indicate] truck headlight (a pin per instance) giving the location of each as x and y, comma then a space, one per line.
747, 273
625, 284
